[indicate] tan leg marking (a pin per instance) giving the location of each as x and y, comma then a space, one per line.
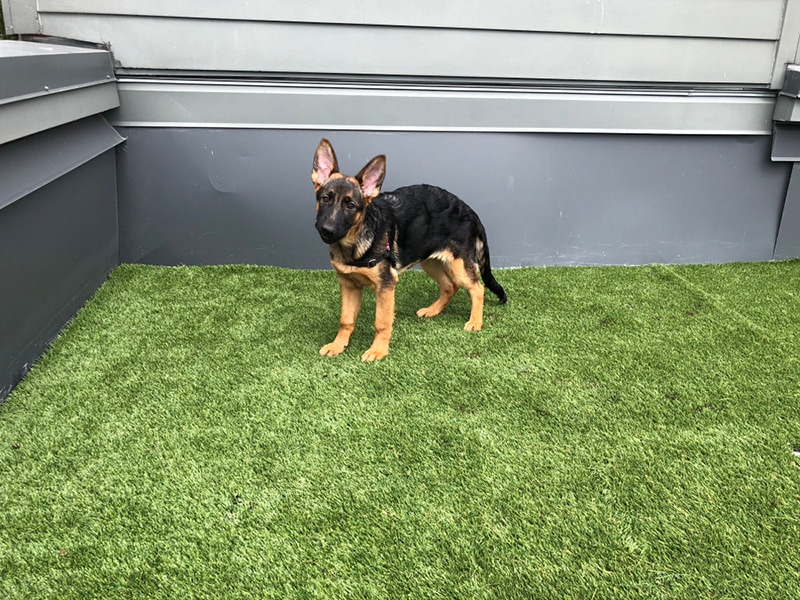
384, 319
470, 280
447, 287
352, 294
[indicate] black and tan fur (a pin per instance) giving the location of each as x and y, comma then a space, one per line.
374, 236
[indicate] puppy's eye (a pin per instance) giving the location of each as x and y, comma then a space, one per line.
350, 205
326, 199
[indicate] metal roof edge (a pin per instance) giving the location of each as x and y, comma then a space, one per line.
46, 85
34, 161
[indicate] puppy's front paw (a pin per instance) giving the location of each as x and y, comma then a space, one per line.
473, 325
374, 353
332, 349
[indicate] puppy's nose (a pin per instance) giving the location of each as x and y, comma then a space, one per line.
327, 228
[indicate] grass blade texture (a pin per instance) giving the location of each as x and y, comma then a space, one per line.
611, 433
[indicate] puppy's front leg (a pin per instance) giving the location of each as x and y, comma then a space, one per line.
384, 318
352, 294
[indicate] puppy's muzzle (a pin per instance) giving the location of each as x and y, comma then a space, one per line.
328, 233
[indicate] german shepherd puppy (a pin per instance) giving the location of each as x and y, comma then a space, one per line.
374, 236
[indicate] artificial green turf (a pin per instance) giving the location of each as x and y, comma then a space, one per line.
612, 433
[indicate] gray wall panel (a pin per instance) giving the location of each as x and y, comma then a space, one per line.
56, 247
228, 196
215, 196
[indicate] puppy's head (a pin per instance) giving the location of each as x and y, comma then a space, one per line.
341, 200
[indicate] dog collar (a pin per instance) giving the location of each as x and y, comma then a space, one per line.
387, 255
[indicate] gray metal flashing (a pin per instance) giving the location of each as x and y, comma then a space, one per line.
787, 244
34, 69
791, 83
45, 85
282, 105
21, 119
787, 106
786, 143
33, 162
787, 109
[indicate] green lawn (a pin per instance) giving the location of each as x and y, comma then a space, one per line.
611, 433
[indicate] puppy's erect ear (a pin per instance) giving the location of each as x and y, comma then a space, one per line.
325, 164
371, 177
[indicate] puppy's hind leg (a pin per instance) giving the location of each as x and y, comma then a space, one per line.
467, 276
447, 287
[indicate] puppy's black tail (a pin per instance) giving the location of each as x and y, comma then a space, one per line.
484, 263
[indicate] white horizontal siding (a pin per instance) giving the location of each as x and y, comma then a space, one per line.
788, 47
743, 19
303, 48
